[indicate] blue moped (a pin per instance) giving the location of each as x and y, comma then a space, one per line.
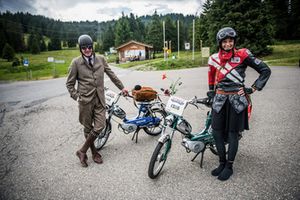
150, 117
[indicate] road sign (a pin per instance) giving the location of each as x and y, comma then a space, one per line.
50, 59
26, 62
205, 52
187, 46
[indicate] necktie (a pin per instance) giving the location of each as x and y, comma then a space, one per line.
90, 61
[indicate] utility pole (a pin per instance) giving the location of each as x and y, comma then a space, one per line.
164, 37
193, 40
178, 43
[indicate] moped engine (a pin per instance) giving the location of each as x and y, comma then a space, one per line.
194, 146
128, 128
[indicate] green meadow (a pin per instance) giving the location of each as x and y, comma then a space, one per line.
284, 54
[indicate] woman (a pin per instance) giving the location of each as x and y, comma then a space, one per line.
226, 78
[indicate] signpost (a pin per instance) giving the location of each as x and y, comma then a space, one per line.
205, 52
52, 60
26, 65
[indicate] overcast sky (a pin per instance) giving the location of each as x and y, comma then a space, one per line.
99, 10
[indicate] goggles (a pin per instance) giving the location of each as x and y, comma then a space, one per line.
87, 47
225, 34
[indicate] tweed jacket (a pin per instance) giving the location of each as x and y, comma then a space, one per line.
90, 79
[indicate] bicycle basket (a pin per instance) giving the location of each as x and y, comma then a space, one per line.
144, 94
184, 127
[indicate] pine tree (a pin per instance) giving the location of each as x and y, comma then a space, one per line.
171, 33
108, 38
122, 32
35, 47
250, 18
141, 30
3, 39
36, 43
8, 52
43, 46
155, 33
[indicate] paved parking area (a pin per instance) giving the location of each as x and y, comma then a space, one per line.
38, 143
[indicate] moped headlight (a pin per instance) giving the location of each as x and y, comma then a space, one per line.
184, 127
119, 112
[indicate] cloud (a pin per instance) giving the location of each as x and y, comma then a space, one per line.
17, 5
100, 10
113, 11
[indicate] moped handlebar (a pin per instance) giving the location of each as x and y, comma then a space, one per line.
205, 101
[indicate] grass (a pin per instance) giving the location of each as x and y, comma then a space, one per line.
184, 61
38, 65
284, 54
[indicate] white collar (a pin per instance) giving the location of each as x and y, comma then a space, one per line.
87, 58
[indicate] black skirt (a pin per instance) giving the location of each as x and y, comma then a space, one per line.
228, 120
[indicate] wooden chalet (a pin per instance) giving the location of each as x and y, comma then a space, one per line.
133, 50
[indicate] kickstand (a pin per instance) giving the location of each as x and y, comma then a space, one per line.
195, 156
135, 135
201, 160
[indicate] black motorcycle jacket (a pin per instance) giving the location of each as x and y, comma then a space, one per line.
229, 75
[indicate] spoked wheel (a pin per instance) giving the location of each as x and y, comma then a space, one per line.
158, 159
156, 129
103, 137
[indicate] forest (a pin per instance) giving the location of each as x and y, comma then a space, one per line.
258, 24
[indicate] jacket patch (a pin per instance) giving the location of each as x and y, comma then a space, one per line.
257, 61
235, 60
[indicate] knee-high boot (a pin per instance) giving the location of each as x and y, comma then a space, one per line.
219, 140
97, 158
82, 152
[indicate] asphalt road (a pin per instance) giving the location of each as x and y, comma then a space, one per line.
40, 132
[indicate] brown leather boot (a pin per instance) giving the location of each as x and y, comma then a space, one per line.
82, 157
97, 158
82, 152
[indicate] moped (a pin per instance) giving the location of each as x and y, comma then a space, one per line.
150, 117
192, 142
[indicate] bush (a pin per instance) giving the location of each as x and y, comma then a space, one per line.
16, 62
8, 52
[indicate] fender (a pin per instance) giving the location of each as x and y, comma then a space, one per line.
164, 138
166, 134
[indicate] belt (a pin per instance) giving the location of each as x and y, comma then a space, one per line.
224, 92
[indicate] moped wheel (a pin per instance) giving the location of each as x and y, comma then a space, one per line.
103, 137
158, 159
156, 129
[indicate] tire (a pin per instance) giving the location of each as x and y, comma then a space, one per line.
103, 137
157, 158
156, 130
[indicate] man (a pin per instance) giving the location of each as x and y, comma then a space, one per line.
230, 111
88, 70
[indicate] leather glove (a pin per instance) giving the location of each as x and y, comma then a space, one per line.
211, 94
248, 90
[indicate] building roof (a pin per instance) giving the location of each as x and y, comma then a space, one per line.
133, 41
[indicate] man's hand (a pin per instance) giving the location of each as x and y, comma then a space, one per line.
125, 92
